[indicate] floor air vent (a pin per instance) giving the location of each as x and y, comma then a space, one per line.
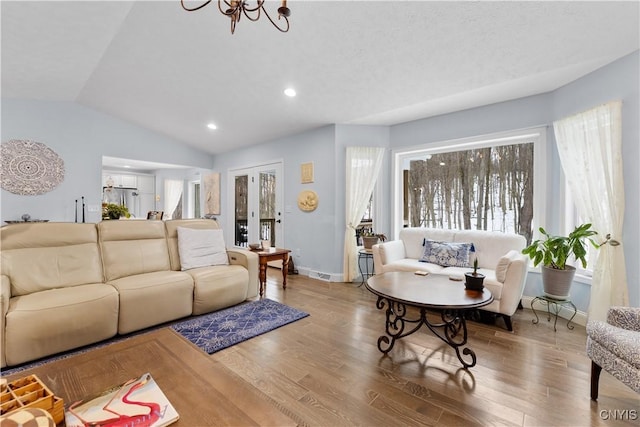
320, 276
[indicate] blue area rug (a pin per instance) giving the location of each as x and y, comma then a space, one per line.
211, 332
216, 331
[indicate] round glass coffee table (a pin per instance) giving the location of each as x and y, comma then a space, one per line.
398, 290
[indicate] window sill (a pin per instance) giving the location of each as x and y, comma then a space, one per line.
581, 278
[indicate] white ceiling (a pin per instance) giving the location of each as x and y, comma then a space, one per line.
358, 62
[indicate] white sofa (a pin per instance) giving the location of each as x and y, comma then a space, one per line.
67, 285
499, 259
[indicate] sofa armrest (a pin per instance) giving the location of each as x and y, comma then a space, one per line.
621, 344
5, 296
248, 260
513, 285
624, 317
387, 252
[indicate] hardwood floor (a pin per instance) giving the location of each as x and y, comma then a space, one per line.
326, 370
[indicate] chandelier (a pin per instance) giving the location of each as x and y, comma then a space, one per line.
236, 8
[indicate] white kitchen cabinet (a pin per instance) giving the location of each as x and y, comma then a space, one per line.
119, 180
129, 181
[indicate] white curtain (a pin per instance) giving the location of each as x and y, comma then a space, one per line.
590, 148
363, 165
172, 193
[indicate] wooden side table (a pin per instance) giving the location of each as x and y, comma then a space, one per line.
273, 254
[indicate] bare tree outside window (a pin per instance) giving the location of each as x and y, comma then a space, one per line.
267, 195
368, 212
267, 202
489, 188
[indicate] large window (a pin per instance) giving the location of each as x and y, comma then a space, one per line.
486, 183
595, 124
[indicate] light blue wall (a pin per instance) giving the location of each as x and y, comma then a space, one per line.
518, 114
618, 80
81, 136
312, 233
319, 235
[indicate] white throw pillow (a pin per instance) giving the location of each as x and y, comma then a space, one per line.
201, 248
502, 267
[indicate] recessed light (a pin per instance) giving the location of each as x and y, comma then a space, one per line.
212, 126
290, 92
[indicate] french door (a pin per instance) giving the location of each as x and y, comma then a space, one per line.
256, 205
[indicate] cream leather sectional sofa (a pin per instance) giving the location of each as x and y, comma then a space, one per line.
66, 285
499, 259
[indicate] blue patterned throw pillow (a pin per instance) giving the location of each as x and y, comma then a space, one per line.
447, 254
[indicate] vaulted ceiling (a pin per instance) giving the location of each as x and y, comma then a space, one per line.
360, 62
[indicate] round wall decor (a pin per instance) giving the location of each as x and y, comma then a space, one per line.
29, 167
307, 200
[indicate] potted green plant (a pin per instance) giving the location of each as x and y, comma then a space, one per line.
474, 281
370, 238
114, 211
554, 251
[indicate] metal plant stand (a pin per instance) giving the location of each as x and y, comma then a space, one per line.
365, 255
557, 305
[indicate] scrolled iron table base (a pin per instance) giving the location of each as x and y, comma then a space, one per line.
452, 329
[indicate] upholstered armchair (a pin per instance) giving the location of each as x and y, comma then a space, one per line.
614, 346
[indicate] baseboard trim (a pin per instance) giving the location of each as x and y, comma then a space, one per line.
565, 312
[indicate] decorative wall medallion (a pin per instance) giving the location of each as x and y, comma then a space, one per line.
29, 167
308, 200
